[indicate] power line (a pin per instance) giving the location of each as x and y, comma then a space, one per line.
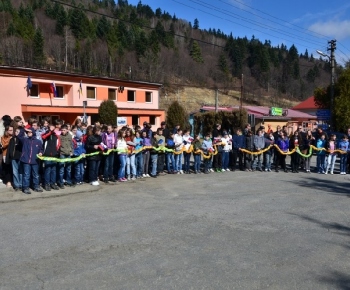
237, 23
263, 25
250, 7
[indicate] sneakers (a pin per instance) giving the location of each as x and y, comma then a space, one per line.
121, 180
227, 169
144, 175
47, 187
181, 172
211, 170
95, 183
223, 170
61, 186
147, 175
128, 177
54, 186
133, 178
331, 172
26, 191
38, 189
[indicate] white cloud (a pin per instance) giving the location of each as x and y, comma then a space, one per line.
332, 28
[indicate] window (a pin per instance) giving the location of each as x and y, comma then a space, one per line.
60, 92
148, 97
54, 118
90, 93
152, 120
131, 96
135, 120
34, 91
112, 94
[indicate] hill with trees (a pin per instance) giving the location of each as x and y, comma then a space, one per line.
115, 39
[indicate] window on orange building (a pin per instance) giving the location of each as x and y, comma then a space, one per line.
152, 120
112, 95
131, 96
34, 91
90, 93
135, 120
148, 97
60, 92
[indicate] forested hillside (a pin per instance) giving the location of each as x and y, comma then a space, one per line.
120, 40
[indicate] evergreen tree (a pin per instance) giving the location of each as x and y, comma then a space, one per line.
176, 114
38, 47
103, 28
158, 12
223, 64
62, 21
108, 112
196, 53
196, 24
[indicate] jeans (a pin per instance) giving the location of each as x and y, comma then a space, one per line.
145, 159
28, 170
65, 170
257, 161
122, 163
108, 166
154, 161
139, 164
331, 161
343, 162
225, 159
187, 157
197, 162
130, 162
268, 159
94, 165
160, 162
50, 172
79, 170
170, 159
321, 163
17, 173
178, 162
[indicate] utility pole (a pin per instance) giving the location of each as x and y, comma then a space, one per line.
216, 100
241, 102
332, 47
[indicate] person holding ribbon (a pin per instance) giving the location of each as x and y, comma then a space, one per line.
344, 147
93, 147
332, 155
108, 139
187, 140
283, 145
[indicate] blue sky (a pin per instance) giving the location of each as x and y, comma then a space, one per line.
307, 24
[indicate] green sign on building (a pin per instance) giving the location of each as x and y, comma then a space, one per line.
276, 111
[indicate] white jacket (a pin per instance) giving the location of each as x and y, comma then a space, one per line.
122, 146
228, 143
179, 142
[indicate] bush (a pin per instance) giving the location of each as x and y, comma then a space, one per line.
176, 114
108, 112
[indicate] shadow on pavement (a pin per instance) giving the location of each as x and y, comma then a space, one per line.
333, 186
336, 279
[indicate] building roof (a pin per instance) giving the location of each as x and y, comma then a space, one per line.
308, 104
262, 112
9, 70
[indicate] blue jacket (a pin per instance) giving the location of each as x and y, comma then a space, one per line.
321, 144
238, 141
79, 147
31, 147
343, 145
283, 144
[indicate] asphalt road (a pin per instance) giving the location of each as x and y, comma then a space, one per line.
219, 231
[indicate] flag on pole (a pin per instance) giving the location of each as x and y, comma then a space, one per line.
53, 89
28, 86
80, 89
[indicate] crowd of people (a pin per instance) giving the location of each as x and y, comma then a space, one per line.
51, 156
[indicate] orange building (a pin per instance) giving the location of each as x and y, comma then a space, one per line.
136, 101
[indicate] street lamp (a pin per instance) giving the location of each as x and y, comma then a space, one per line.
331, 61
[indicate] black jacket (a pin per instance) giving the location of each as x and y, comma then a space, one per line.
89, 146
14, 150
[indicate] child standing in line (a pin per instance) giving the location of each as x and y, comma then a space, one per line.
179, 143
270, 140
146, 142
138, 154
51, 147
93, 145
344, 146
108, 139
122, 148
207, 147
154, 155
217, 159
332, 156
197, 146
65, 152
187, 155
14, 152
170, 154
321, 154
227, 145
79, 149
